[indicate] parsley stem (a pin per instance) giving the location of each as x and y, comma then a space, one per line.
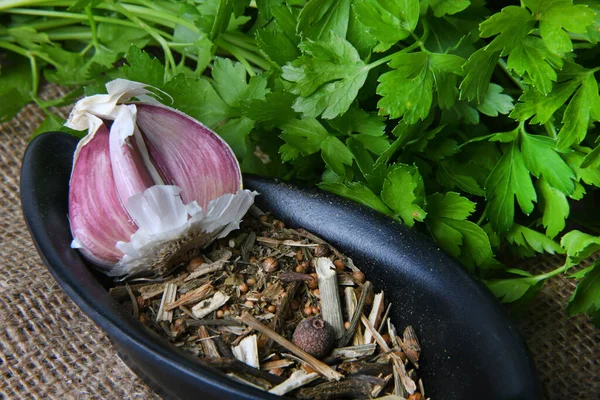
90, 14
40, 26
35, 78
161, 41
554, 272
69, 15
236, 53
6, 4
154, 16
236, 40
388, 58
249, 56
418, 41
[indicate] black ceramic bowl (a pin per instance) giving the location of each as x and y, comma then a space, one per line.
470, 349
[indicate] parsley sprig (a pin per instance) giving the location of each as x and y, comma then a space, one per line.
471, 122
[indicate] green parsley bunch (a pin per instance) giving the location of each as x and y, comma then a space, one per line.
472, 122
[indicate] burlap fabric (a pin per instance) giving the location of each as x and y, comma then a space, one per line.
49, 349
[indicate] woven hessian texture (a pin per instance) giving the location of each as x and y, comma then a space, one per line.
49, 349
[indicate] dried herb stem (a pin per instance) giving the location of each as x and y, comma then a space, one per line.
345, 339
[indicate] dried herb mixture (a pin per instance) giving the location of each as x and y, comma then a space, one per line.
238, 303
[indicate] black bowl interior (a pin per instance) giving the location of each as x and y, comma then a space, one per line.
470, 348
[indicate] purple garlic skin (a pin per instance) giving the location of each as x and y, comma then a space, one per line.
315, 336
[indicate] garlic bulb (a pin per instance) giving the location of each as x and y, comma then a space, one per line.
150, 185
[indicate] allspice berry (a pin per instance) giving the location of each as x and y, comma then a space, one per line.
314, 336
322, 250
270, 264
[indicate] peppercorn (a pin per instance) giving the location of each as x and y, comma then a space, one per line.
194, 264
315, 336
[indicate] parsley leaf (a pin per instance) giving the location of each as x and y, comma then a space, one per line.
528, 238
15, 86
230, 82
142, 67
389, 21
583, 108
557, 17
586, 298
319, 18
509, 179
336, 155
235, 132
478, 71
416, 73
404, 192
511, 26
531, 59
447, 221
447, 7
305, 135
579, 246
512, 289
327, 77
542, 159
275, 109
358, 192
555, 207
495, 102
197, 98
359, 121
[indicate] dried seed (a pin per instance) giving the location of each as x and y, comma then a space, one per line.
194, 264
270, 264
359, 276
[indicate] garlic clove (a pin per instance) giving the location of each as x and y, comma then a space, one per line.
97, 218
188, 155
130, 170
173, 184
